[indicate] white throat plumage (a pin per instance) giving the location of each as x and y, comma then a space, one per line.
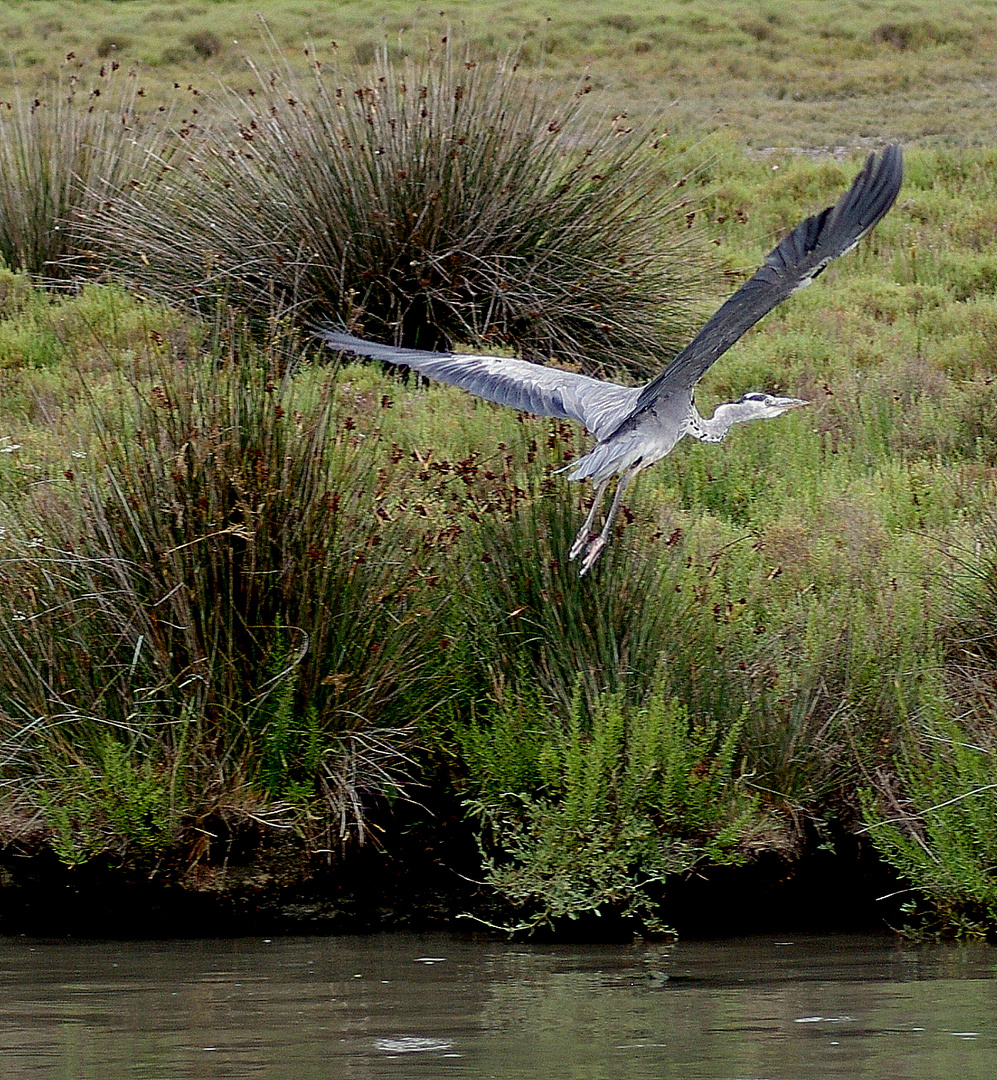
754, 406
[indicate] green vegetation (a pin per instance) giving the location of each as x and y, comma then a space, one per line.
595, 812
242, 589
778, 72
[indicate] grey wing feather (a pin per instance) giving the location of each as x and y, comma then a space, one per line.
545, 391
791, 265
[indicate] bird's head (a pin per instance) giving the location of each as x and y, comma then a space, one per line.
754, 406
759, 406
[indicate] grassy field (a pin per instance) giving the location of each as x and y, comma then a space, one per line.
778, 73
244, 590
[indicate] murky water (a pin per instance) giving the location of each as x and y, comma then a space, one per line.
403, 1007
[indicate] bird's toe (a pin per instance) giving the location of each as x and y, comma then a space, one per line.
580, 543
592, 553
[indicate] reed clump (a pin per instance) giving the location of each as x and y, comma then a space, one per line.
219, 597
427, 204
63, 151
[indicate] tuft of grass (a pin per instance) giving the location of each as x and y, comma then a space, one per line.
972, 635
530, 624
427, 204
205, 44
61, 153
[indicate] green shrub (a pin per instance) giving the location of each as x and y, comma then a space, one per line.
15, 293
593, 814
118, 803
933, 814
934, 822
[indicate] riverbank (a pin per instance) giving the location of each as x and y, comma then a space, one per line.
273, 885
281, 637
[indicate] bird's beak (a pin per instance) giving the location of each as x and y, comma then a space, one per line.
792, 402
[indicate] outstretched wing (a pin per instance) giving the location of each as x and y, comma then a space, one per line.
545, 391
793, 264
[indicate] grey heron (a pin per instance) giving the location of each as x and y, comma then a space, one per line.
637, 426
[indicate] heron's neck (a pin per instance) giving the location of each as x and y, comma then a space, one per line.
713, 428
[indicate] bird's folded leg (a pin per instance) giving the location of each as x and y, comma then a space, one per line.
592, 552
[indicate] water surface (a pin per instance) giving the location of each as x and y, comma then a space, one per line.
404, 1006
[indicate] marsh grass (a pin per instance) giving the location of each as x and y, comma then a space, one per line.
62, 151
222, 591
425, 204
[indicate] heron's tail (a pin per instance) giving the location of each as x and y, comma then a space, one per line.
602, 461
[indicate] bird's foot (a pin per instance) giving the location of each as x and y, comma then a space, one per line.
592, 553
580, 543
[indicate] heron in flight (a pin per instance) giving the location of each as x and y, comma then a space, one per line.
637, 426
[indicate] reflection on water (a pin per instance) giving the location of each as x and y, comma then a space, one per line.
404, 1006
